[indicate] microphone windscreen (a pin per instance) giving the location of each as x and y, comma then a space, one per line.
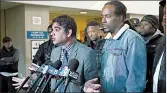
56, 64
73, 64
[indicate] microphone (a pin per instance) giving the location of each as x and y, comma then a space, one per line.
67, 72
40, 83
52, 66
28, 77
55, 65
42, 68
34, 67
51, 70
73, 66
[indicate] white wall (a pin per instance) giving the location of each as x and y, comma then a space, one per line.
139, 16
136, 16
30, 11
15, 28
2, 30
18, 22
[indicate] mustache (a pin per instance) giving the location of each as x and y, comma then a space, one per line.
104, 28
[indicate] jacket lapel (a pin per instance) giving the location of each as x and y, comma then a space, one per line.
57, 52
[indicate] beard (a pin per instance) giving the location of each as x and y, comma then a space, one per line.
110, 28
146, 34
105, 28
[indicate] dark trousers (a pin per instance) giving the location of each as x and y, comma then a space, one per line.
6, 84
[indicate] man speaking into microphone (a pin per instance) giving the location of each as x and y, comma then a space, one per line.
64, 35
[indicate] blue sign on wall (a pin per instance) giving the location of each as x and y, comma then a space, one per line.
37, 35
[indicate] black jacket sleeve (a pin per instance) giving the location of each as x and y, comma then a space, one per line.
38, 58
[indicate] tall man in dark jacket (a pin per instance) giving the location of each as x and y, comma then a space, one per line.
44, 51
159, 65
9, 57
152, 36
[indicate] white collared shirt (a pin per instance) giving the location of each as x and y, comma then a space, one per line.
156, 74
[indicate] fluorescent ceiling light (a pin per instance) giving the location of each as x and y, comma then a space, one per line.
83, 12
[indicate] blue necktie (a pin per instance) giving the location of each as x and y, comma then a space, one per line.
65, 58
64, 63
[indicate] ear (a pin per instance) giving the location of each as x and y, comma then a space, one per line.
69, 33
120, 18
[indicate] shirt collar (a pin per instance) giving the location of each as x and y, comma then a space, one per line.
108, 36
68, 48
121, 31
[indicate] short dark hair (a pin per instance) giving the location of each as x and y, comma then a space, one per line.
50, 26
120, 8
92, 23
67, 22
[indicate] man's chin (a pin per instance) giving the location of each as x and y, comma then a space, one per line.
106, 30
92, 39
55, 43
59, 44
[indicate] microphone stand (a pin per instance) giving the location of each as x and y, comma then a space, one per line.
25, 82
66, 84
30, 88
58, 83
46, 83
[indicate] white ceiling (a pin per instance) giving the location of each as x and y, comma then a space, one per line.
134, 7
73, 11
6, 5
58, 10
68, 4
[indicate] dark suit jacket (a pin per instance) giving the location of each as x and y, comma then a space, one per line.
87, 64
162, 74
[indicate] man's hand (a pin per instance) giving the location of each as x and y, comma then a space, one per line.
90, 87
19, 81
